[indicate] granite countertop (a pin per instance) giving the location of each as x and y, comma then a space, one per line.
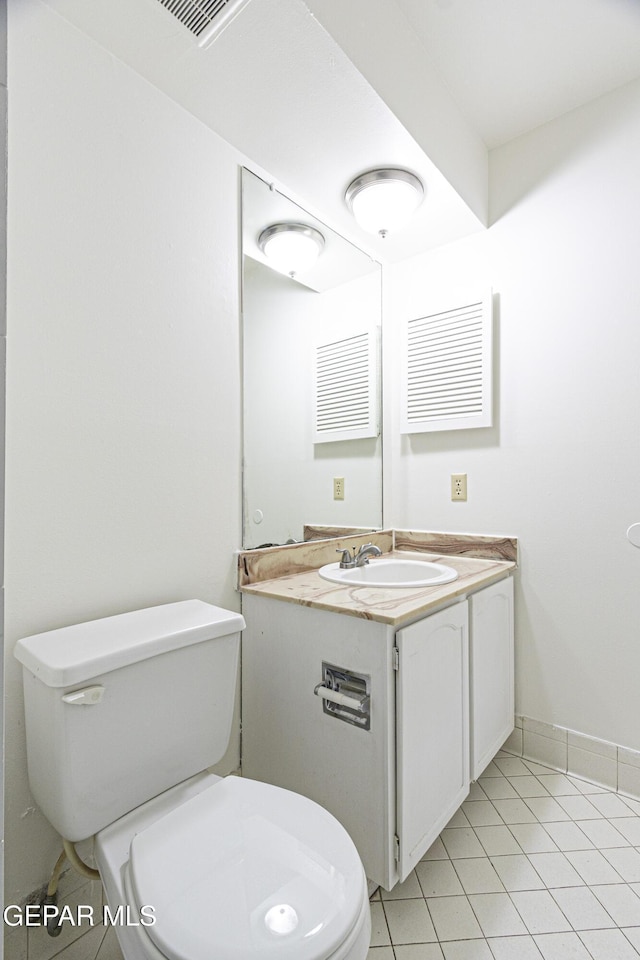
391, 605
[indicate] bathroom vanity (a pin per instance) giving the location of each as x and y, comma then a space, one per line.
380, 704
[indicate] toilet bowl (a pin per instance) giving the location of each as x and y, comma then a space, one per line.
235, 869
194, 866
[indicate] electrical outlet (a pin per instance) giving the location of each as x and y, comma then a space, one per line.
338, 488
458, 486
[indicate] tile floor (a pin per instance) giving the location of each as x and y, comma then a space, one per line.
535, 865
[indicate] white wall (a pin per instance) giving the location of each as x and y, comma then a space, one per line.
123, 393
286, 476
561, 467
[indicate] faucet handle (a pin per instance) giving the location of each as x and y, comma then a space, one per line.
346, 560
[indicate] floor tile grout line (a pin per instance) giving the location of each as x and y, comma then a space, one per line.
626, 844
546, 888
102, 940
384, 914
584, 945
542, 824
615, 925
622, 931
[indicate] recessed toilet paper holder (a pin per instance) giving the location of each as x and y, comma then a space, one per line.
345, 695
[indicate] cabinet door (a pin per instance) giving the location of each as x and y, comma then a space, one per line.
491, 671
432, 711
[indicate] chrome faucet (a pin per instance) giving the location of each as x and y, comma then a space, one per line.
368, 550
348, 562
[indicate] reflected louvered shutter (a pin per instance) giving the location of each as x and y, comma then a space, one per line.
447, 377
204, 18
346, 389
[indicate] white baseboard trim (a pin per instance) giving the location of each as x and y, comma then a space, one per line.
599, 761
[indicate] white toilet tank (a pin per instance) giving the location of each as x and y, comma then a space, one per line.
119, 709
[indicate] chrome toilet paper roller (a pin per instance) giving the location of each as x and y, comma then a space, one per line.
345, 695
353, 701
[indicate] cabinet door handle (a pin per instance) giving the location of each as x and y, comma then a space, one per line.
354, 703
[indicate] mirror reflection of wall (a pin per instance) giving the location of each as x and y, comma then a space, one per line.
289, 479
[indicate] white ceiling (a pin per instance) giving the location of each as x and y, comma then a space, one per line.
278, 87
512, 65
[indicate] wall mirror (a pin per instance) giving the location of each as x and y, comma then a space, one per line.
311, 381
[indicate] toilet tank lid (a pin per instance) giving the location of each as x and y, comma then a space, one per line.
74, 654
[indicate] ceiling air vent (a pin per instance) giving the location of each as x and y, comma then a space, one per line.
204, 18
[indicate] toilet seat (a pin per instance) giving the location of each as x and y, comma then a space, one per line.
247, 870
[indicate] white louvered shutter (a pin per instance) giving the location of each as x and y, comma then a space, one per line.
447, 375
346, 389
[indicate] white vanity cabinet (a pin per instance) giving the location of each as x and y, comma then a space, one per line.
432, 729
491, 671
396, 773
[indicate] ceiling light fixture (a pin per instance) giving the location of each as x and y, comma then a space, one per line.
291, 247
384, 200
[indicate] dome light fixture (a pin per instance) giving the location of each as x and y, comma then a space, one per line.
291, 248
382, 201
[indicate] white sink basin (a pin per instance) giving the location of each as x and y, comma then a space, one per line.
391, 573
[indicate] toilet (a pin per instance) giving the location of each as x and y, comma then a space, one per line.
123, 716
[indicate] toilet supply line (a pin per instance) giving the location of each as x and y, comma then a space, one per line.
52, 917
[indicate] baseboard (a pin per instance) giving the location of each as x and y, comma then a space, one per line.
588, 758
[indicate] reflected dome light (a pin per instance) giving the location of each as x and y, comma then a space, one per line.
291, 248
384, 200
281, 919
